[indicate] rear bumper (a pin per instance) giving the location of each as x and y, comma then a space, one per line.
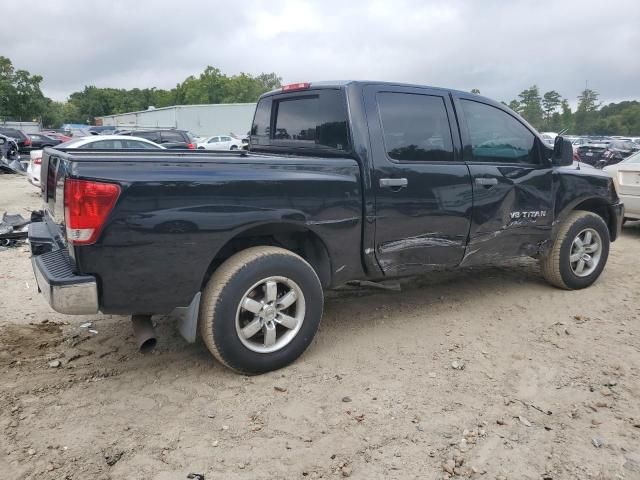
616, 215
65, 291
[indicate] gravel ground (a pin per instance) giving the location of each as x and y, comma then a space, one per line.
481, 373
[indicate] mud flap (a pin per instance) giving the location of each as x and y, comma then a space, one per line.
188, 326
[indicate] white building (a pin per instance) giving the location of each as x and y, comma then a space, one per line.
203, 120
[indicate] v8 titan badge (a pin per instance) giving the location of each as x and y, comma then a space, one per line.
528, 214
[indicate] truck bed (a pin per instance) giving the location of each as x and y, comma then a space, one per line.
177, 210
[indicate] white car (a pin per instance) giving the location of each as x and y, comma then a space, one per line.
98, 142
220, 142
626, 177
549, 137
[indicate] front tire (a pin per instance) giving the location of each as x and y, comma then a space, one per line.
579, 252
260, 310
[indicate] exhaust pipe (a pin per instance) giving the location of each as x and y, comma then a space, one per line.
144, 332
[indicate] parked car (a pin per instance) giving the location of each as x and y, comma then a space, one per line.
343, 181
626, 176
617, 151
548, 137
23, 141
8, 148
9, 156
57, 135
94, 142
33, 168
40, 141
169, 138
221, 142
591, 152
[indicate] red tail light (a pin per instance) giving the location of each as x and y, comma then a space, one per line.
37, 161
191, 146
86, 208
27, 142
296, 86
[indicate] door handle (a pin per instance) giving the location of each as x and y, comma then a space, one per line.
486, 182
393, 183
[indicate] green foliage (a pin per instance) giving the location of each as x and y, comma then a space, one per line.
20, 94
22, 99
531, 106
590, 118
550, 103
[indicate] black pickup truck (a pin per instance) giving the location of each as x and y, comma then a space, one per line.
343, 181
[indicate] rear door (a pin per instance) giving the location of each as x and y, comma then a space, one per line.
512, 182
423, 193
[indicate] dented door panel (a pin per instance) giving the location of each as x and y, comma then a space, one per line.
511, 217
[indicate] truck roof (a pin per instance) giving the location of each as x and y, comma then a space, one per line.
344, 83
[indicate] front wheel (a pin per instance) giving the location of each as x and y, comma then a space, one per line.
579, 252
261, 309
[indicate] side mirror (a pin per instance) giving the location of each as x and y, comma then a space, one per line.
2, 141
562, 152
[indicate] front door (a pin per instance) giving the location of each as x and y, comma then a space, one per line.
423, 192
512, 182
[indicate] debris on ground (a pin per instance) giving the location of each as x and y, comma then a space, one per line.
13, 228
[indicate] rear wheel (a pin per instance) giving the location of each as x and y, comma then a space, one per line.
261, 309
579, 252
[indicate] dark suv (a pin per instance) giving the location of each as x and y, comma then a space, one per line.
23, 141
168, 138
617, 151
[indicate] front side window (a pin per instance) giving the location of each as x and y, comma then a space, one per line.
214, 140
415, 127
497, 137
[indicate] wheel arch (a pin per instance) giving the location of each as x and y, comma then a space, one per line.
294, 237
597, 205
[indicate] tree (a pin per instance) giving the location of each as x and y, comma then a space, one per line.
531, 106
566, 117
475, 91
20, 94
514, 105
551, 100
586, 115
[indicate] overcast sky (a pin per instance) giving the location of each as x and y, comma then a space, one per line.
498, 46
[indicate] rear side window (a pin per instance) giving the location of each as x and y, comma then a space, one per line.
497, 137
173, 137
153, 136
415, 127
308, 120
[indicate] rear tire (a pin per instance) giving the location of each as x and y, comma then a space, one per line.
579, 252
252, 326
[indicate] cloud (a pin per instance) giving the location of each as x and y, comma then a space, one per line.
496, 46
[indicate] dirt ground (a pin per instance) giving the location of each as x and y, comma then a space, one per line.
488, 371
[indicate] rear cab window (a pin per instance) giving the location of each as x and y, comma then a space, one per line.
306, 120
